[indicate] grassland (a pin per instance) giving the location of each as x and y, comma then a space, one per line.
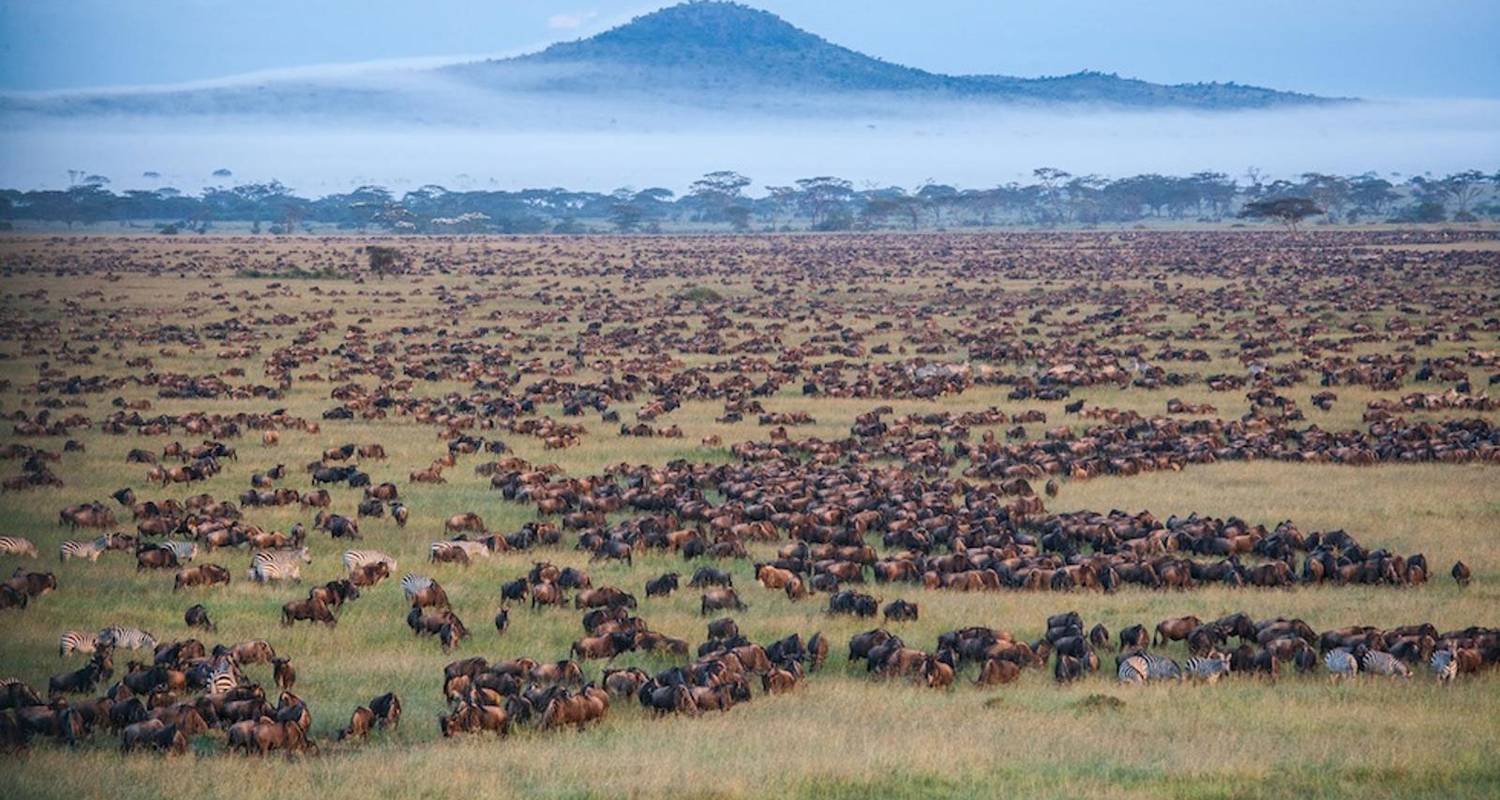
842, 734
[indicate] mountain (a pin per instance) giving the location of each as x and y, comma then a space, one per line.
710, 46
707, 55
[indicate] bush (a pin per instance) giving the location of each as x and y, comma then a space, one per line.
700, 294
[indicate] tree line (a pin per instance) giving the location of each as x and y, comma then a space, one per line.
721, 200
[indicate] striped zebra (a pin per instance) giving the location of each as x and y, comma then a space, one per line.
1208, 669
411, 584
121, 637
76, 642
471, 549
1340, 663
1142, 667
185, 551
224, 678
1382, 663
17, 546
278, 565
354, 559
90, 550
1444, 665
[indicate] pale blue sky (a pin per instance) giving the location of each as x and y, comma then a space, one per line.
1367, 48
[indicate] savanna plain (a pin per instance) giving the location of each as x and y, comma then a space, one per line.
781, 388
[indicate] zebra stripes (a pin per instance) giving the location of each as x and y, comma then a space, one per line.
1444, 665
1380, 663
1142, 667
90, 550
471, 549
123, 638
411, 584
17, 546
76, 642
185, 551
1208, 669
354, 559
1340, 663
225, 678
278, 565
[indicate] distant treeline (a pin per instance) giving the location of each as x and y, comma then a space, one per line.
719, 200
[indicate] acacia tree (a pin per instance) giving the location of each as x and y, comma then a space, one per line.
823, 196
719, 192
1288, 210
1464, 188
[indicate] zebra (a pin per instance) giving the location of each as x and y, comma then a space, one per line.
471, 549
224, 678
90, 550
1340, 663
17, 546
185, 551
1208, 668
354, 559
123, 638
1141, 667
411, 584
1382, 663
76, 642
1444, 665
277, 565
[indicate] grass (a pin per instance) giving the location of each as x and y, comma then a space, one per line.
843, 735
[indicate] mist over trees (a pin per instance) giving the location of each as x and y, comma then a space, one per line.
722, 200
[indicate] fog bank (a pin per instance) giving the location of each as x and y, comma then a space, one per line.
593, 146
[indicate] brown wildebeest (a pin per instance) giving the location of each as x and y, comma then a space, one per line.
580, 709
370, 574
471, 718
937, 673
997, 671
387, 708
283, 673
430, 596
312, 609
718, 599
557, 672
606, 646
1175, 629
546, 593
153, 557
468, 521
201, 575
197, 617
1461, 573
155, 734
360, 724
255, 651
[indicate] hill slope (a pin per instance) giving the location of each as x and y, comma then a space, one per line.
706, 55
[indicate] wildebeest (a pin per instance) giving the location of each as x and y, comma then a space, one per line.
201, 575
717, 599
662, 586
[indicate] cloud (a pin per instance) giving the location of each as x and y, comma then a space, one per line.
567, 22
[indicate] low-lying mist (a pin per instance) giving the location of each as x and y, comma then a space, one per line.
519, 141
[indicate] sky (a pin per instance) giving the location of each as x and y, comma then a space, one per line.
1351, 48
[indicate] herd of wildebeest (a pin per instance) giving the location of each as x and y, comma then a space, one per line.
949, 498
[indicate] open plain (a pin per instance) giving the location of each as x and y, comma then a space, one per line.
997, 428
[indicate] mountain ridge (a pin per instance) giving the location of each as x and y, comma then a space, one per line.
733, 44
706, 54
